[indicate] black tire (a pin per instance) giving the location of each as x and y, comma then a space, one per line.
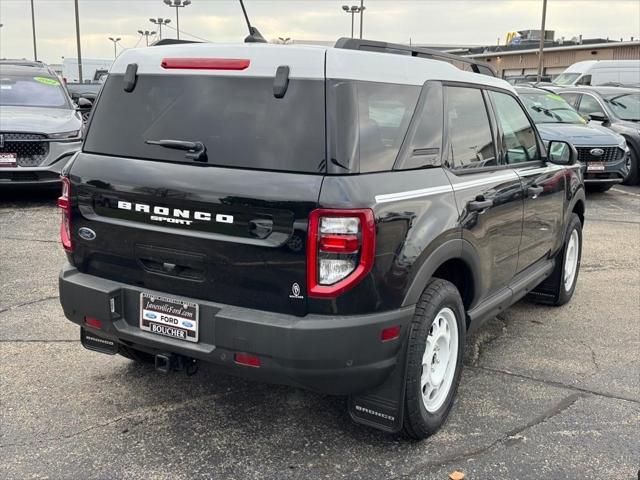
553, 290
136, 355
632, 177
438, 295
598, 188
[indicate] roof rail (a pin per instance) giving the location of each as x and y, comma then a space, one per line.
21, 62
462, 63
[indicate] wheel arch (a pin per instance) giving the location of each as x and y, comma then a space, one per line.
454, 261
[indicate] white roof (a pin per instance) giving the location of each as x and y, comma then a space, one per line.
305, 61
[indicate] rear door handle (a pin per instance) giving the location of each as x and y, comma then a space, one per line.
479, 204
534, 191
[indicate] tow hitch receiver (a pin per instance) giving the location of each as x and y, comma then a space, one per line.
170, 362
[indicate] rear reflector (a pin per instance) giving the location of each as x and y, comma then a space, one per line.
205, 63
390, 333
247, 360
64, 202
93, 322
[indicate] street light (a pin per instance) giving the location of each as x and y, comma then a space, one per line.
177, 4
362, 9
146, 34
115, 41
353, 10
160, 21
283, 40
33, 29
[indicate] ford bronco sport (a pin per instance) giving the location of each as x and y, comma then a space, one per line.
327, 218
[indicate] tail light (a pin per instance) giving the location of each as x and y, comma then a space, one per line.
64, 202
340, 250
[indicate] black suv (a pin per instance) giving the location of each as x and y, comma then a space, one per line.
328, 218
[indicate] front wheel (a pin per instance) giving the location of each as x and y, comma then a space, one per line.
434, 363
632, 166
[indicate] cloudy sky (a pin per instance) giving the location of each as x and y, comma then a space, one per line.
424, 21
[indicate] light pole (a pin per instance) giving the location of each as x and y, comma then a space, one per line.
78, 42
115, 41
146, 34
352, 10
160, 22
284, 41
542, 35
177, 4
362, 9
33, 29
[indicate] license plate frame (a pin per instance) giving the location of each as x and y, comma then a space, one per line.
170, 317
595, 167
8, 160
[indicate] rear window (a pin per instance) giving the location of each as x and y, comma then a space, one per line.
32, 91
239, 121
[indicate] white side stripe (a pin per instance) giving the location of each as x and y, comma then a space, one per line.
425, 192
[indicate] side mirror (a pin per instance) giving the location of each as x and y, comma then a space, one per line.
561, 153
598, 117
84, 103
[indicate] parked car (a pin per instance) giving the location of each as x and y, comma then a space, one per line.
40, 128
598, 72
604, 153
532, 79
615, 108
288, 214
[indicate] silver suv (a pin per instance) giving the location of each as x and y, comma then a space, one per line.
40, 127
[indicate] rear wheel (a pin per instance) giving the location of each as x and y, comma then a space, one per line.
434, 364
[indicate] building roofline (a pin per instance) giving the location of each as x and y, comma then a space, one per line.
556, 49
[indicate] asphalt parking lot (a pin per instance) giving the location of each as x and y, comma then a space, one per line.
547, 393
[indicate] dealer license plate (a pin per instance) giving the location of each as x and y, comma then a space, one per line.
169, 317
595, 167
8, 160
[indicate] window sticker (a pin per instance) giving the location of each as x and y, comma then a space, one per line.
47, 81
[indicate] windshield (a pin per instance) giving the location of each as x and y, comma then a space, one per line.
550, 108
32, 92
238, 120
566, 78
625, 106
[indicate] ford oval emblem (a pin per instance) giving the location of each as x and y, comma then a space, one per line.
596, 152
187, 324
86, 233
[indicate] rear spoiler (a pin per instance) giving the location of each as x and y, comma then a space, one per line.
409, 50
171, 41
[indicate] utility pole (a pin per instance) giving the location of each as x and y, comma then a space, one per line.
542, 37
33, 29
177, 4
77, 41
160, 22
115, 41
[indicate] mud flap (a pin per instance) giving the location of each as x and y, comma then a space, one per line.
383, 406
94, 342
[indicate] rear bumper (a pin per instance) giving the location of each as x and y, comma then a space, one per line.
338, 355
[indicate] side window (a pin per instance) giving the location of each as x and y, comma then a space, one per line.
384, 113
518, 136
424, 139
584, 80
589, 105
570, 98
470, 142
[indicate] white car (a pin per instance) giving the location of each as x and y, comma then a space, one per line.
40, 127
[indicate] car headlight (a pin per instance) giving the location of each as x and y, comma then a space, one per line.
623, 145
64, 135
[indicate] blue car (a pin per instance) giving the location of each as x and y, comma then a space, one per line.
604, 153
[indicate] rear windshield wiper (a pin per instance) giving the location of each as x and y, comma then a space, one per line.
195, 150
